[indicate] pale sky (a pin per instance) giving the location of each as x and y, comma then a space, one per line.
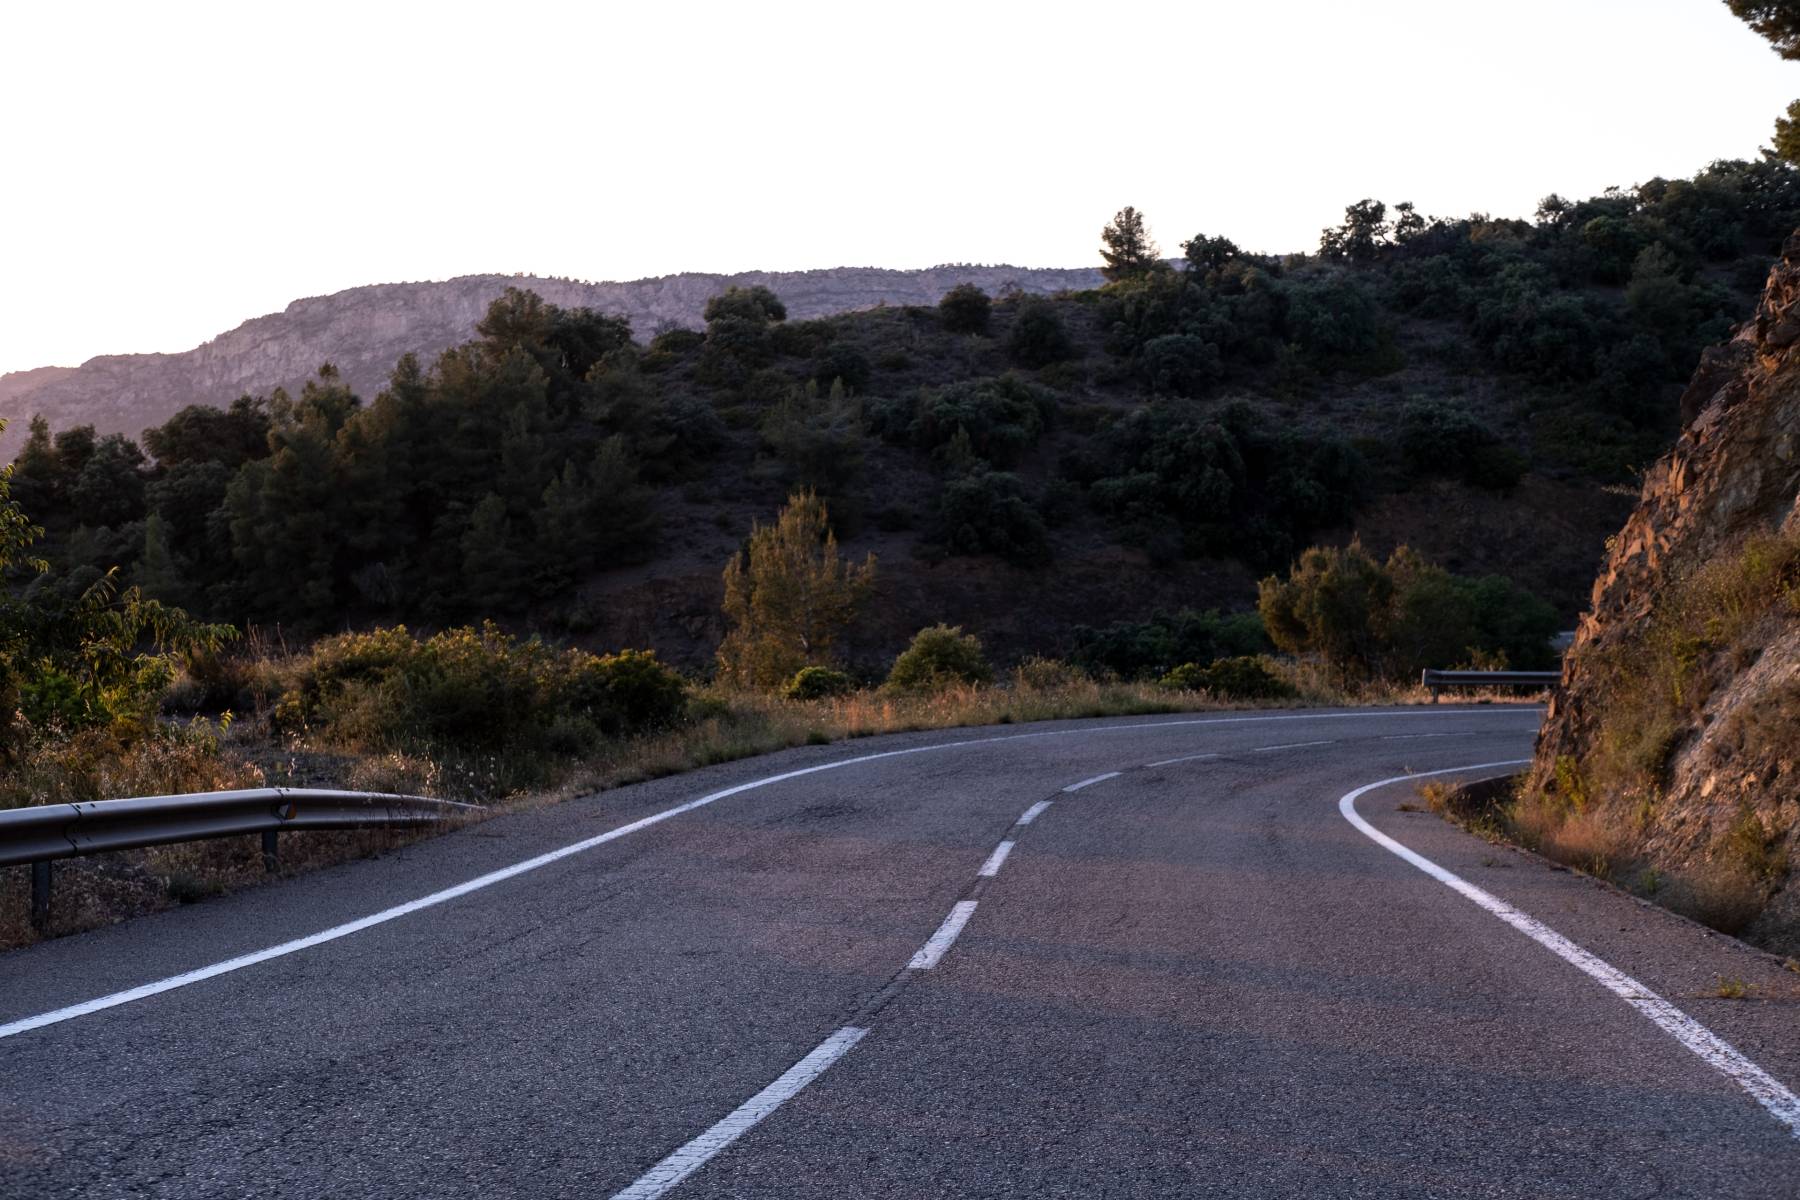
169, 170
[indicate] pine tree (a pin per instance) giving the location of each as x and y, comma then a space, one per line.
158, 573
491, 563
789, 597
1126, 246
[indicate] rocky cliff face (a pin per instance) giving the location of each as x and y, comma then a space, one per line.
364, 330
1672, 755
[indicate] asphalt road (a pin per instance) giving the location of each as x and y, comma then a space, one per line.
1193, 978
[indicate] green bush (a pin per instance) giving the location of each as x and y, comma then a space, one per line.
1368, 618
999, 418
1438, 438
1149, 649
1038, 338
1181, 363
1231, 678
1333, 318
965, 308
940, 656
474, 690
987, 512
818, 683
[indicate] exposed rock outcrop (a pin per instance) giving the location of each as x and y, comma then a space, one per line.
1679, 717
363, 331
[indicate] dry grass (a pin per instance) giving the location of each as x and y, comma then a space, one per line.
1731, 989
723, 726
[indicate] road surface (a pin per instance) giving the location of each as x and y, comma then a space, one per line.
1127, 958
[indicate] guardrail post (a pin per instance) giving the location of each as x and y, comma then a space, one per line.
40, 895
270, 837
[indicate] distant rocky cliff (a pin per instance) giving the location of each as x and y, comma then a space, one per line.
1674, 748
364, 330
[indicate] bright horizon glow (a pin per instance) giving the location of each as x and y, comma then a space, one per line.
174, 170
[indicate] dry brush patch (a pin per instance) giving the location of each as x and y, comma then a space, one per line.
720, 725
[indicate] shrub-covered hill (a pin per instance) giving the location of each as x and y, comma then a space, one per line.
1481, 389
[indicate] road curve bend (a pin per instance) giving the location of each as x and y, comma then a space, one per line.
1218, 955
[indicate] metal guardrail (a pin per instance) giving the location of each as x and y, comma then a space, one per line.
41, 834
1436, 681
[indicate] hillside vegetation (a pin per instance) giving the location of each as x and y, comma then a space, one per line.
1475, 387
365, 330
996, 507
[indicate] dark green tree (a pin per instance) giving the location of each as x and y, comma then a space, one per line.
1362, 235
965, 308
1038, 337
1126, 247
1777, 20
1206, 254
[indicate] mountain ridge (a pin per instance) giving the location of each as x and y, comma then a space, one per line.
364, 330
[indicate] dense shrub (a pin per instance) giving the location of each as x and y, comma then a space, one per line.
1242, 678
845, 364
940, 656
1183, 364
999, 418
965, 308
1233, 481
1149, 649
1389, 620
474, 690
1438, 438
988, 512
814, 441
1333, 318
818, 683
1038, 338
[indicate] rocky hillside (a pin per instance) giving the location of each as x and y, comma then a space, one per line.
1671, 761
364, 330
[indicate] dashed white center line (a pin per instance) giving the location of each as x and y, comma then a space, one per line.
691, 1157
1291, 746
1407, 737
1184, 758
991, 867
1076, 787
1035, 811
940, 942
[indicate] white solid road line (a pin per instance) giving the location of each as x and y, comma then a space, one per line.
1714, 1050
213, 970
1034, 812
991, 867
1184, 758
941, 941
1076, 787
691, 1157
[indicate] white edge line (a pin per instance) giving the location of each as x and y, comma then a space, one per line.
691, 1157
212, 971
1034, 812
934, 949
1076, 787
1713, 1050
991, 867
1184, 758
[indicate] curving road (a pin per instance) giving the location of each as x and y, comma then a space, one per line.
1134, 958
